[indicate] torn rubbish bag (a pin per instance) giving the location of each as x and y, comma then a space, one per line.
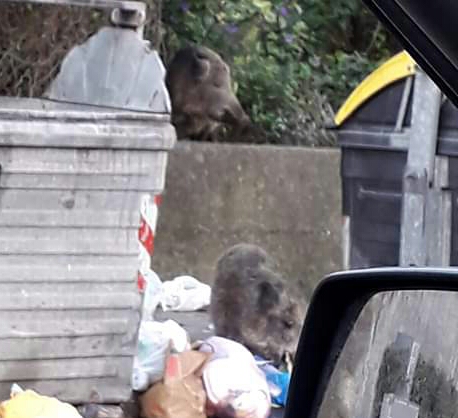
277, 380
235, 386
185, 293
181, 394
155, 341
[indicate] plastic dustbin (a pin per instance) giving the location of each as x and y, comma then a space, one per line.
376, 134
79, 173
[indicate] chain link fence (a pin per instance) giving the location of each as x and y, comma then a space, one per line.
34, 40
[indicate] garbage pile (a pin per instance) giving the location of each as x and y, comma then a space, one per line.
174, 376
216, 377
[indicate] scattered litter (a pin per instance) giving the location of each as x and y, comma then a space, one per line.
181, 393
155, 341
185, 293
29, 404
278, 381
235, 386
15, 390
153, 294
101, 411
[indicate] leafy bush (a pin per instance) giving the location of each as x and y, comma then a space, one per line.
293, 61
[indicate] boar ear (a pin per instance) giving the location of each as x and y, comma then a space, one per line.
200, 65
268, 296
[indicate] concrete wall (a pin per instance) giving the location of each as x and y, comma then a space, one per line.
285, 199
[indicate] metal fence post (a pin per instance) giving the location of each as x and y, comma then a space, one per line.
422, 212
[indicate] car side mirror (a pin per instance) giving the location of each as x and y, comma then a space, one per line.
379, 343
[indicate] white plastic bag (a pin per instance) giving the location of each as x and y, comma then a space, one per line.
15, 390
234, 384
185, 293
155, 340
153, 294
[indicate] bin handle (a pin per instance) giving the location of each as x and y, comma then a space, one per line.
375, 194
128, 13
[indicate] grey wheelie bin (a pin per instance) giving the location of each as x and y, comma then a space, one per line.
399, 165
79, 174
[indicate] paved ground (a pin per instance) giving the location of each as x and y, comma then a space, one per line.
198, 326
196, 323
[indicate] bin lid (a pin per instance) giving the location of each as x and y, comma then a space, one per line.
372, 116
47, 123
398, 67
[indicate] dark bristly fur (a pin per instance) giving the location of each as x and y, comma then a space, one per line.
199, 84
252, 304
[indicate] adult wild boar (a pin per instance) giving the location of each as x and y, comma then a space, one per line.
256, 306
199, 84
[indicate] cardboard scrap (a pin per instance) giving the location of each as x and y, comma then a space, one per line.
181, 393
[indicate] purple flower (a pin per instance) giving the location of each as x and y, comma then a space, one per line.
284, 11
288, 37
231, 28
184, 6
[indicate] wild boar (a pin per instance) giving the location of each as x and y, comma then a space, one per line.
253, 305
199, 84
